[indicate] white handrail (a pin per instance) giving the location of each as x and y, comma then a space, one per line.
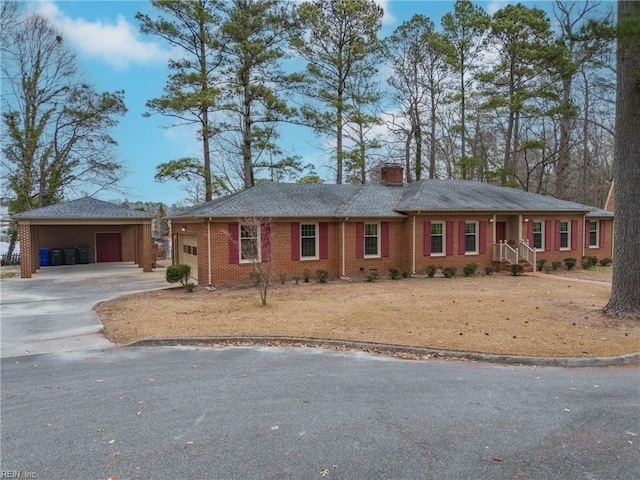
504, 252
527, 253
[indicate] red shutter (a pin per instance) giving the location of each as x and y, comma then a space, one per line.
461, 238
359, 239
603, 226
295, 241
265, 242
587, 236
483, 237
449, 238
530, 232
427, 239
324, 240
384, 239
234, 252
547, 234
574, 234
558, 234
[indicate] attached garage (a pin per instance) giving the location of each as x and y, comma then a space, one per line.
102, 231
188, 252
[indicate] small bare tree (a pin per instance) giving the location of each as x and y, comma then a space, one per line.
254, 247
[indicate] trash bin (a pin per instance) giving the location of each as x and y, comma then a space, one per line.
70, 256
43, 255
84, 255
56, 256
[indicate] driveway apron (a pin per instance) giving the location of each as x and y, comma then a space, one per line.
53, 311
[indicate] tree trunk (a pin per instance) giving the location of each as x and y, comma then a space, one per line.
564, 158
625, 292
247, 162
407, 156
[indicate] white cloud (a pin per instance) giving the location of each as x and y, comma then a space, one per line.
115, 42
388, 18
496, 5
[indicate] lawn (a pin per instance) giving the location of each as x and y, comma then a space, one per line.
553, 315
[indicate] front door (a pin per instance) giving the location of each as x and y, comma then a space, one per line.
108, 247
501, 232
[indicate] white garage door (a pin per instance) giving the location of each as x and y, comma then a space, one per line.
188, 253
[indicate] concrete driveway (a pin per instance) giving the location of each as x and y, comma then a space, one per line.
53, 311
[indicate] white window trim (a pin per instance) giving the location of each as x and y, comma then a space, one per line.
477, 236
317, 239
542, 236
568, 247
364, 239
258, 242
444, 240
597, 245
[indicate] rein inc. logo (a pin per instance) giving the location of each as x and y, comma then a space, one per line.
17, 474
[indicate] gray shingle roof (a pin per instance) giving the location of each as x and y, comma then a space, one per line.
83, 208
464, 195
301, 200
377, 200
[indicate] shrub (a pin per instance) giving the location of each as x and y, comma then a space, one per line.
449, 272
322, 275
306, 275
296, 279
540, 264
405, 274
372, 275
430, 270
489, 269
517, 269
394, 273
548, 269
589, 262
470, 269
555, 265
178, 273
283, 278
569, 263
189, 286
605, 262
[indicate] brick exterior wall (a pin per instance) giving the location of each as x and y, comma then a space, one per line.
400, 247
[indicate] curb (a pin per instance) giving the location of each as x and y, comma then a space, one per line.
401, 351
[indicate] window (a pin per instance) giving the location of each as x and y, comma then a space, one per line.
308, 241
564, 235
594, 233
437, 238
371, 240
471, 237
538, 235
249, 243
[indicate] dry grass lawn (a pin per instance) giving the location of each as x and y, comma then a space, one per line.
498, 314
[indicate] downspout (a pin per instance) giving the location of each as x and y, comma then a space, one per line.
584, 233
342, 248
209, 248
413, 246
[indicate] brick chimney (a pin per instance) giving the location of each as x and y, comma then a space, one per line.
392, 174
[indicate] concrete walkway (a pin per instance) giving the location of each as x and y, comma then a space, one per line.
53, 311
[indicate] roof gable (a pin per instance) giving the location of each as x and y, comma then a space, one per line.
83, 208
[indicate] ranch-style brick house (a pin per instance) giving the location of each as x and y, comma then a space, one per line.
349, 230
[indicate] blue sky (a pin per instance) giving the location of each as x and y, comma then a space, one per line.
114, 56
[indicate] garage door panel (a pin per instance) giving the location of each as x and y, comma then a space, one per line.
188, 253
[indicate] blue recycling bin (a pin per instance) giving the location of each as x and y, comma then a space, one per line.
43, 255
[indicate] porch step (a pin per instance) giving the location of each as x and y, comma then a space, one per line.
505, 267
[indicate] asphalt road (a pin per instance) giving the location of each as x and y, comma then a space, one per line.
264, 413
